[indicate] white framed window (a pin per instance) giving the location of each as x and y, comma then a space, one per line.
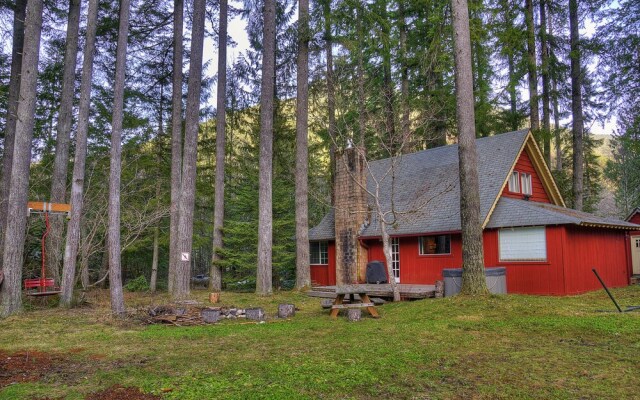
395, 258
523, 244
318, 253
439, 244
514, 182
526, 184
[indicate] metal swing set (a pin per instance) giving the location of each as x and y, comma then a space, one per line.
44, 286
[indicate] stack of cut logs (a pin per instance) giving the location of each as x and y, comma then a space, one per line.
193, 314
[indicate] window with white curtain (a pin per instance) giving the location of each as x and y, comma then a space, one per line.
523, 244
526, 183
514, 182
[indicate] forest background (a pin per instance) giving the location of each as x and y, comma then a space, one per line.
398, 55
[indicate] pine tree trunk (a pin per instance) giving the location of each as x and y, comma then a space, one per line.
176, 138
154, 262
14, 234
546, 102
264, 284
12, 109
513, 98
361, 96
473, 278
84, 268
215, 281
77, 181
331, 91
63, 137
188, 187
534, 112
404, 84
113, 242
554, 99
576, 106
303, 272
387, 82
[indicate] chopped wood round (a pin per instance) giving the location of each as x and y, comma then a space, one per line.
210, 316
255, 314
214, 297
286, 310
354, 314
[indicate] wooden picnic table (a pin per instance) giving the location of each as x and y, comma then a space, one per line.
362, 291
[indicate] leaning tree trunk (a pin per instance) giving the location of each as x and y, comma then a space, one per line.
576, 106
63, 137
176, 138
188, 187
303, 272
534, 111
215, 282
113, 242
264, 284
14, 234
473, 278
12, 109
77, 181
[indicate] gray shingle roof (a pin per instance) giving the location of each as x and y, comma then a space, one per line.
426, 194
514, 212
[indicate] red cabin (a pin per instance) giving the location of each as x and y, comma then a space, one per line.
546, 248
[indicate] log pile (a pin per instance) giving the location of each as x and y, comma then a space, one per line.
197, 314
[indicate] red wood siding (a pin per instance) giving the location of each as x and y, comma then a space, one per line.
418, 269
325, 274
635, 218
524, 164
602, 249
530, 277
572, 252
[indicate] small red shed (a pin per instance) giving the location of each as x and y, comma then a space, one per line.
545, 247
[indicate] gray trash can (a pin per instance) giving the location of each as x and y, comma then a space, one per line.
496, 280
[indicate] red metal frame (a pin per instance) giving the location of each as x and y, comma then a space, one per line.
43, 283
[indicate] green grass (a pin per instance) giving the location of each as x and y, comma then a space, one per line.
486, 348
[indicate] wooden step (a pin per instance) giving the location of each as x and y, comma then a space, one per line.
354, 305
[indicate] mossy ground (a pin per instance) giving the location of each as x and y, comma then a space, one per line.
473, 348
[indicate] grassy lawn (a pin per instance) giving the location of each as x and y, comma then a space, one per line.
497, 347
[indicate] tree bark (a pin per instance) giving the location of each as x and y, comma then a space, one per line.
386, 247
154, 262
176, 138
473, 278
215, 281
63, 137
186, 206
387, 83
554, 99
14, 234
546, 87
331, 91
80, 158
113, 242
404, 84
12, 109
303, 272
534, 112
576, 106
264, 284
361, 96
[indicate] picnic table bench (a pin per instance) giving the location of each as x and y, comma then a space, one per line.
362, 292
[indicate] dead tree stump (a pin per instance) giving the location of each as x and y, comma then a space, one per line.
286, 310
439, 289
210, 316
255, 314
354, 314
